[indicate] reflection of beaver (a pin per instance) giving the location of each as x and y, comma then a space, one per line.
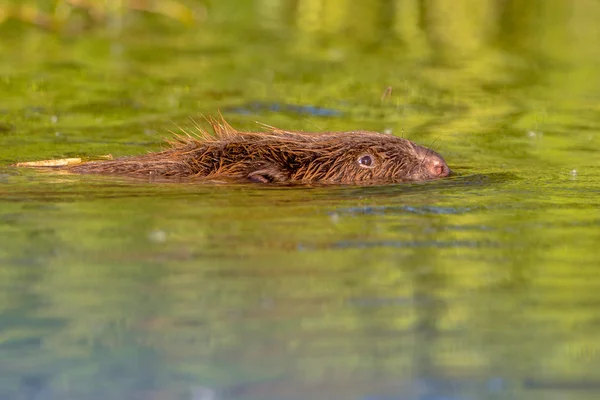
278, 156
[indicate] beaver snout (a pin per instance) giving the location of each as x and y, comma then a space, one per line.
436, 167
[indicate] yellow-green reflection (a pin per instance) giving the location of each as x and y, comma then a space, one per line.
481, 286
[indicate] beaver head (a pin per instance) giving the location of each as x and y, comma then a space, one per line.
371, 157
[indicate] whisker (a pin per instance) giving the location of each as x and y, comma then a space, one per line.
430, 147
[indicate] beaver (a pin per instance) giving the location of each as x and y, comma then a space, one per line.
279, 156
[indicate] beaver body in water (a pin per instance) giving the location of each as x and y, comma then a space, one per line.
278, 156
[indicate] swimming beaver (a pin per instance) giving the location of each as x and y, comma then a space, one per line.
278, 156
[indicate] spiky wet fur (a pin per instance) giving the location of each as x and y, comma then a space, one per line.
274, 155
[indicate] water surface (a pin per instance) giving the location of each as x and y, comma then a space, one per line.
481, 286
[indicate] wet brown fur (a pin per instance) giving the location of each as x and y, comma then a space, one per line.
276, 156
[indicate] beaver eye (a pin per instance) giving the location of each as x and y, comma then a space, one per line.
366, 161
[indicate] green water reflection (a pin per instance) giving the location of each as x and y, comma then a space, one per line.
482, 286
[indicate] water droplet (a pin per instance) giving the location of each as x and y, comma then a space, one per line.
157, 236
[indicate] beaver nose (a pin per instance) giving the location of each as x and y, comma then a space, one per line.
436, 167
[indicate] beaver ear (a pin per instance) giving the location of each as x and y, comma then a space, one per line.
268, 175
